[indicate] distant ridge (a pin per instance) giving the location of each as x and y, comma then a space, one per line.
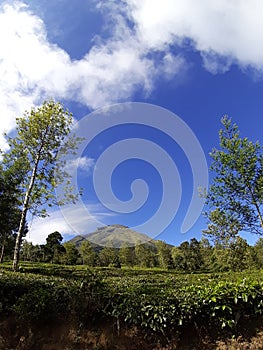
114, 236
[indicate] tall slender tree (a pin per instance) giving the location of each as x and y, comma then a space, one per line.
236, 193
42, 134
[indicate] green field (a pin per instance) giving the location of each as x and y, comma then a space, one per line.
154, 300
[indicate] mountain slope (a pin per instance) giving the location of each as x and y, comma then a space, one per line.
113, 235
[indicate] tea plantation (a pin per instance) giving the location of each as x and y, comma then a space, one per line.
156, 301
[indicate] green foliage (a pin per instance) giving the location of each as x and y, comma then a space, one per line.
164, 255
236, 194
238, 254
71, 253
87, 253
206, 251
222, 226
127, 255
54, 239
145, 255
36, 299
195, 256
30, 252
164, 302
158, 301
53, 249
108, 256
235, 255
257, 252
188, 256
43, 135
9, 207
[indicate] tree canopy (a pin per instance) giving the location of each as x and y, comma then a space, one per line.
43, 133
235, 197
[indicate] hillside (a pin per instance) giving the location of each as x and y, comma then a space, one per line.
113, 235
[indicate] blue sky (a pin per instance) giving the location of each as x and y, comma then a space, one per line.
197, 59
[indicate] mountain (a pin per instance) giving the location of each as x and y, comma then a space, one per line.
113, 235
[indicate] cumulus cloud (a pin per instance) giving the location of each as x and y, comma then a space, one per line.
146, 40
72, 220
223, 31
40, 228
32, 68
26, 62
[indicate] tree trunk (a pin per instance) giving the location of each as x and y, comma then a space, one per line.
24, 212
19, 236
259, 214
256, 205
2, 253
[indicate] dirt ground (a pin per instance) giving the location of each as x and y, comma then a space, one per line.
66, 336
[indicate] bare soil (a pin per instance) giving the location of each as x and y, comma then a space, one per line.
64, 335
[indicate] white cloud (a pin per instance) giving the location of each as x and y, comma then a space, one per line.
40, 228
31, 68
225, 32
228, 28
29, 65
84, 164
71, 220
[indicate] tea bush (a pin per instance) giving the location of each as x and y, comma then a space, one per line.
157, 301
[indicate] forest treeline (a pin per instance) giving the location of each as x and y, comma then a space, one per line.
193, 256
35, 165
